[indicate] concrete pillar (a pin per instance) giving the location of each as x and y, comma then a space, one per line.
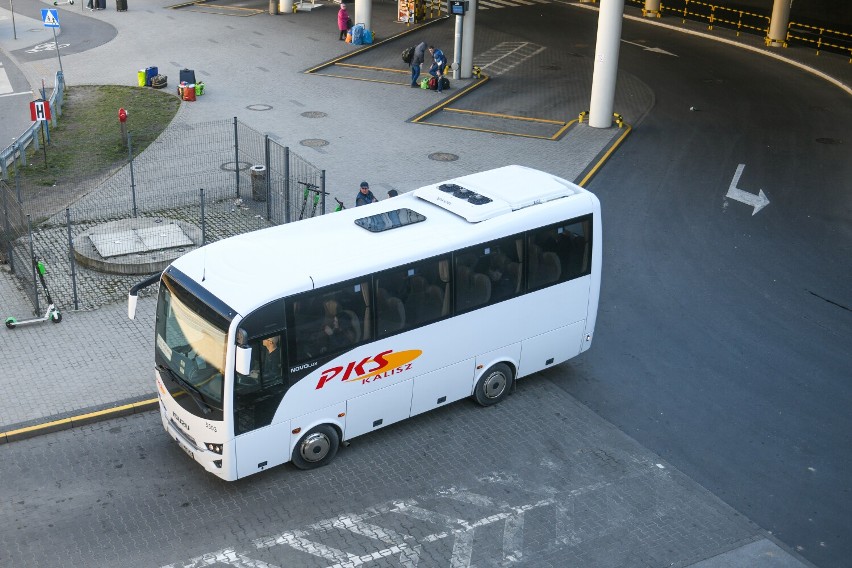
606, 63
363, 13
652, 9
469, 25
778, 23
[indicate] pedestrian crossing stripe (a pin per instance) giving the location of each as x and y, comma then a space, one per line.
497, 4
50, 17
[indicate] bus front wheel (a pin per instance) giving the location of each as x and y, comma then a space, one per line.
494, 385
316, 448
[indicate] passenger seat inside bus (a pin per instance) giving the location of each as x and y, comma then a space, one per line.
390, 313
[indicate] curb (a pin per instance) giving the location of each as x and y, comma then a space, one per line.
79, 420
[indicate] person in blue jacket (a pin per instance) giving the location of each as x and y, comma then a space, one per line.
439, 65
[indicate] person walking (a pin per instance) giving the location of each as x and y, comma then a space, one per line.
365, 196
416, 61
344, 22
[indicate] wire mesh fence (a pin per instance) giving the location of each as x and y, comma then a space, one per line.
100, 233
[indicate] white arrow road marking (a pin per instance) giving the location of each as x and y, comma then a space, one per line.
758, 201
654, 49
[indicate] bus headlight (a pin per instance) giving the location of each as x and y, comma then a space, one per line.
215, 448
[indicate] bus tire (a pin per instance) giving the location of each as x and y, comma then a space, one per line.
494, 385
316, 448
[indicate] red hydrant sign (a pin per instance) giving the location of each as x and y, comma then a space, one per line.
40, 110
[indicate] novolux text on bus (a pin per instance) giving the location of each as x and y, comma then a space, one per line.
277, 345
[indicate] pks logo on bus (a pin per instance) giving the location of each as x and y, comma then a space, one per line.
371, 369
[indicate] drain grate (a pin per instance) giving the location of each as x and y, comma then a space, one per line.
314, 142
829, 141
443, 157
314, 114
231, 166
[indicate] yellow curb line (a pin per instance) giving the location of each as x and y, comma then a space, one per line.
73, 421
507, 116
605, 157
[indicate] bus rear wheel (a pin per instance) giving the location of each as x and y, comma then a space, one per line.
316, 448
494, 385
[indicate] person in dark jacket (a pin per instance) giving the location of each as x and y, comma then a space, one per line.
416, 61
365, 196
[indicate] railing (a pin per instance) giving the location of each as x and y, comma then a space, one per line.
753, 22
17, 151
820, 37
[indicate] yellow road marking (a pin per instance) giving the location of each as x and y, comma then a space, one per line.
605, 157
65, 423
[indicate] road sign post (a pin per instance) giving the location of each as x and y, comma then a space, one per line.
50, 17
40, 111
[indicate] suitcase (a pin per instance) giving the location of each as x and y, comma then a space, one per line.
101, 4
159, 81
189, 93
150, 72
121, 5
187, 76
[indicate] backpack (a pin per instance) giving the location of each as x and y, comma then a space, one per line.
424, 83
445, 83
159, 81
408, 54
358, 34
433, 83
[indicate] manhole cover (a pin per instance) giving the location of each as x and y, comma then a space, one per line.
829, 141
314, 142
230, 167
259, 107
314, 114
443, 157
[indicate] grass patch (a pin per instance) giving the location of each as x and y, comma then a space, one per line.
87, 139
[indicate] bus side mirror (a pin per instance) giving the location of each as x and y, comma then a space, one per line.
243, 363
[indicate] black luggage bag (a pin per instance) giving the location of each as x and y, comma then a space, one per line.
187, 76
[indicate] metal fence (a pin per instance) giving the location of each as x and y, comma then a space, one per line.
745, 21
100, 233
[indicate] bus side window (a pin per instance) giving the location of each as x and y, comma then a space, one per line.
258, 394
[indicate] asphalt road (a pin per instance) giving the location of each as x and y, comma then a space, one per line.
723, 339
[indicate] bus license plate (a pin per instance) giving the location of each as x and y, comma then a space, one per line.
184, 448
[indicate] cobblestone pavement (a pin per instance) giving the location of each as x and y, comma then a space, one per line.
459, 487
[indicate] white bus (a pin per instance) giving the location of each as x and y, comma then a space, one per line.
277, 345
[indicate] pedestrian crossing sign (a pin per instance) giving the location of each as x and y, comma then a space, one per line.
50, 17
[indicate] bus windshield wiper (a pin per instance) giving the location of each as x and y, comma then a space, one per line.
187, 387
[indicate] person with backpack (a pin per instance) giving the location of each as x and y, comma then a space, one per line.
439, 64
417, 59
343, 21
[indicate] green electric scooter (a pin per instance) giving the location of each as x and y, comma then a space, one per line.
52, 312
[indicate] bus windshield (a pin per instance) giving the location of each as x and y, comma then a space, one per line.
190, 348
